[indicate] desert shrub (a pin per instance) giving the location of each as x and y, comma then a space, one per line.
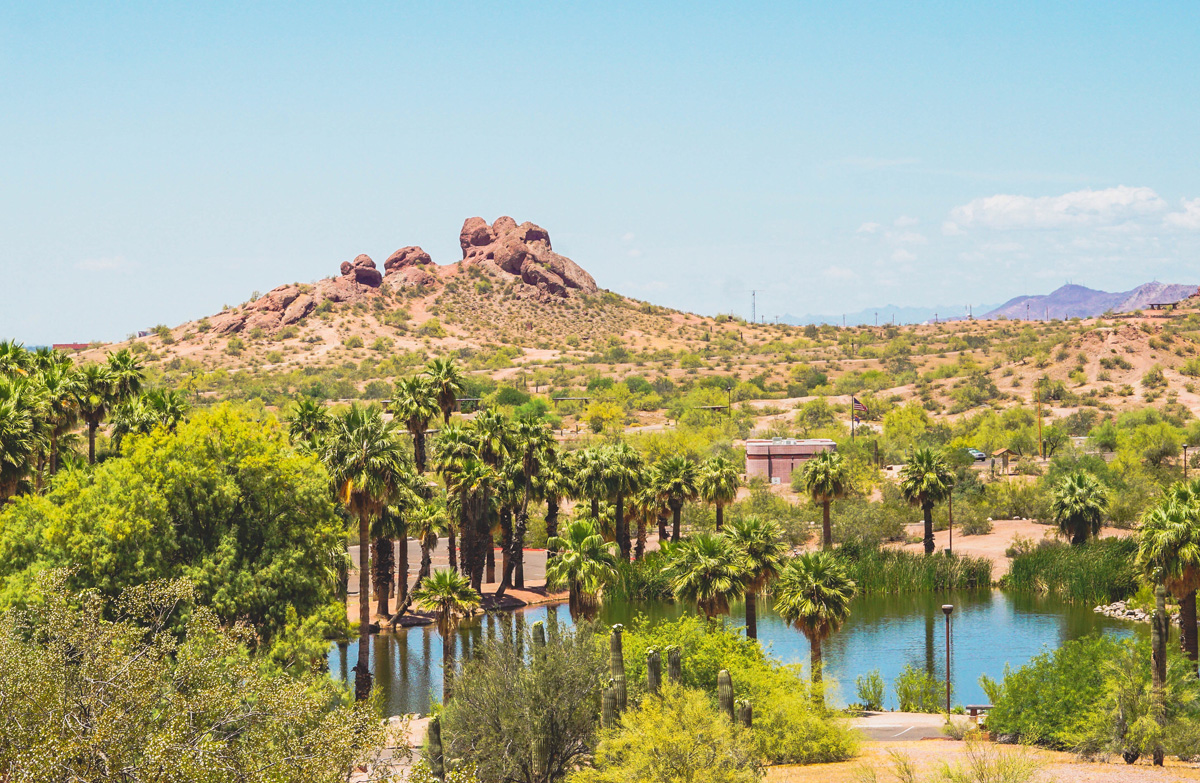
870, 691
235, 346
1018, 500
861, 521
975, 525
887, 571
919, 691
507, 699
1100, 571
353, 341
679, 738
421, 773
432, 328
984, 763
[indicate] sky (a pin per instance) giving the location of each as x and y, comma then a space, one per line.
161, 160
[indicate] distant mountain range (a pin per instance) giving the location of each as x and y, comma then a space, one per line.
1076, 301
886, 314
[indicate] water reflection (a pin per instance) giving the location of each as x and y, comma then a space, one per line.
991, 629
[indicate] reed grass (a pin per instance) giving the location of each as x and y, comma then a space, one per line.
883, 571
1100, 571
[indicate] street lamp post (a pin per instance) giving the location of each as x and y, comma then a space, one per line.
947, 609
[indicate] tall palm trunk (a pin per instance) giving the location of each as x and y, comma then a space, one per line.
622, 528
422, 574
927, 510
826, 527
92, 424
489, 568
452, 547
596, 509
551, 522
519, 550
418, 436
676, 513
1187, 619
816, 664
662, 528
1160, 628
751, 614
640, 549
720, 516
402, 570
382, 566
362, 672
506, 544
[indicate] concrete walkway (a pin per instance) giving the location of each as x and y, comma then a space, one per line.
900, 726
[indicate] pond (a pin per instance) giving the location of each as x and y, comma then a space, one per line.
990, 628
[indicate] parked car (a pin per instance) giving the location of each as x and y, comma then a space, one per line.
978, 455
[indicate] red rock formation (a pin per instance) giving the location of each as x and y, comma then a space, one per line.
406, 257
523, 250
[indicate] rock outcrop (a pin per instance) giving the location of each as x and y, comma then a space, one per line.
524, 251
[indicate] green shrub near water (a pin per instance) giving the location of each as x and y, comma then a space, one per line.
919, 691
870, 690
641, 580
882, 571
1099, 571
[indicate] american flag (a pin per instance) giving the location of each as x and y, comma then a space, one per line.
858, 406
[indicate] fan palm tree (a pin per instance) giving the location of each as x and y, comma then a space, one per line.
709, 571
94, 396
61, 384
584, 564
446, 382
813, 593
474, 483
554, 482
414, 404
925, 481
454, 448
449, 596
366, 463
14, 359
532, 440
647, 508
762, 546
718, 484
591, 474
675, 479
426, 522
1077, 503
142, 414
1169, 553
826, 479
127, 374
624, 472
308, 424
20, 434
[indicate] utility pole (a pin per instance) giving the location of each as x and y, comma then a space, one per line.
1037, 391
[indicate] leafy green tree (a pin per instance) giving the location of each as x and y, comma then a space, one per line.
675, 479
146, 686
763, 549
813, 593
529, 714
450, 597
709, 571
718, 484
1077, 503
678, 738
415, 403
926, 480
584, 564
826, 478
446, 381
223, 501
366, 464
141, 414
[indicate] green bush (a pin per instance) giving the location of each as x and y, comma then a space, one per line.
885, 571
641, 580
870, 690
1100, 571
432, 328
353, 341
919, 691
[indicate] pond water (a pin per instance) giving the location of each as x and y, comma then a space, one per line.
991, 628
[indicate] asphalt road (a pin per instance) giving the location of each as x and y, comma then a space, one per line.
900, 726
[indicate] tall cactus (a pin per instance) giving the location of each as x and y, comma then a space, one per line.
437, 761
608, 708
616, 663
541, 759
746, 714
539, 634
725, 693
674, 665
653, 671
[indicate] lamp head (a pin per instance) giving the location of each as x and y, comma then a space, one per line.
947, 609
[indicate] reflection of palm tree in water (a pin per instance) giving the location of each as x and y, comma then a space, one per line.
930, 663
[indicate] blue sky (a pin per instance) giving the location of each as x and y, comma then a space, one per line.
161, 160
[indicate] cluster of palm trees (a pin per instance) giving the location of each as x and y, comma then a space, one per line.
45, 396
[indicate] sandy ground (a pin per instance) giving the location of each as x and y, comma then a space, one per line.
994, 544
928, 755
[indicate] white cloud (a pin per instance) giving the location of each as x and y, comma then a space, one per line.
1189, 218
1095, 208
110, 264
951, 229
902, 255
904, 221
869, 228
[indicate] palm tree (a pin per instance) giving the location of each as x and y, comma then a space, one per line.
414, 404
554, 482
20, 435
94, 397
926, 481
426, 522
142, 414
61, 384
446, 382
127, 374
718, 484
1077, 503
813, 593
647, 508
308, 424
762, 546
1169, 553
366, 463
455, 447
675, 479
14, 359
708, 571
591, 474
532, 440
624, 473
473, 482
584, 564
449, 596
826, 479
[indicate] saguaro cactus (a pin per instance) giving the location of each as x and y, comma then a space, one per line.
437, 761
616, 663
608, 708
539, 634
725, 693
674, 665
746, 714
540, 757
653, 671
